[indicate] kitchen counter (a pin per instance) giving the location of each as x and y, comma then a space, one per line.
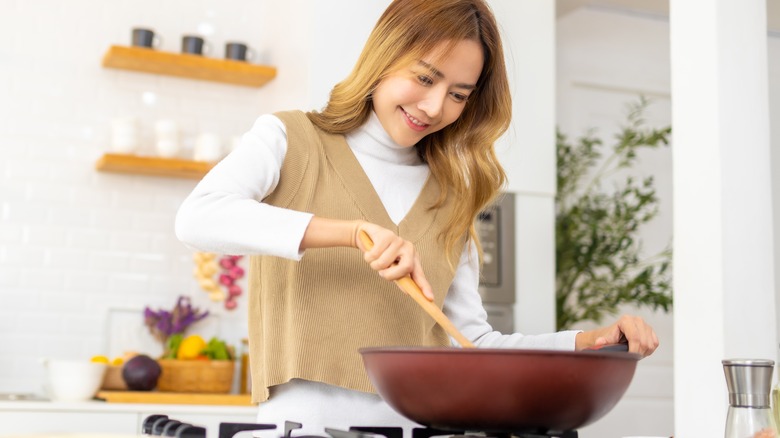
101, 406
99, 417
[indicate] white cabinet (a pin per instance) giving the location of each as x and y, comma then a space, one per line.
15, 423
95, 417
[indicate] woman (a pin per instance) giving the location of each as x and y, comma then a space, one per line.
403, 152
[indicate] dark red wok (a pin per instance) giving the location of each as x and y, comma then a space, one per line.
500, 389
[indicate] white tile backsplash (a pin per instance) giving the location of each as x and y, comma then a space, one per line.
45, 235
109, 261
75, 243
24, 212
50, 194
45, 280
111, 219
72, 215
66, 258
18, 256
129, 241
25, 169
9, 279
86, 281
88, 238
12, 233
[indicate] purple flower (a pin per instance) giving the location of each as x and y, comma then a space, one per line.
162, 324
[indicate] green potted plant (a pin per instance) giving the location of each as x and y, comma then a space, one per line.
599, 263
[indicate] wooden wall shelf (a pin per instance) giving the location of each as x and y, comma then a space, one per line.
188, 66
171, 167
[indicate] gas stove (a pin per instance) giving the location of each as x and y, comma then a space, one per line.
162, 425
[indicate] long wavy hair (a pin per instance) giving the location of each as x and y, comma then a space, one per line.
461, 156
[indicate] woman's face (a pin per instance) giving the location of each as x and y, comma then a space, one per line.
427, 96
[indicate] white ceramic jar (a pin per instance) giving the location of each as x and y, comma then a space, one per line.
125, 134
167, 136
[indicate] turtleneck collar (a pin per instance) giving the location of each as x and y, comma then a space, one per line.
372, 140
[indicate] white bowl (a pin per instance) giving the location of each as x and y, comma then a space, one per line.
73, 380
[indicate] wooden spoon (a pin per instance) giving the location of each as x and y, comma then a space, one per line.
408, 285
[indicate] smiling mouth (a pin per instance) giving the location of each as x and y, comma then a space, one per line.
413, 122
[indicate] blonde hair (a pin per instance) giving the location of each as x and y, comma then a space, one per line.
461, 156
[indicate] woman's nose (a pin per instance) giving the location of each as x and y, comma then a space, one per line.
433, 103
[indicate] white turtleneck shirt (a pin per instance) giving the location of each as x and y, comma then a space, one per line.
224, 214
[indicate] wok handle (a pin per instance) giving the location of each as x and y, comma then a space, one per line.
408, 285
621, 346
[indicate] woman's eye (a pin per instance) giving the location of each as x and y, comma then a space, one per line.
459, 97
425, 80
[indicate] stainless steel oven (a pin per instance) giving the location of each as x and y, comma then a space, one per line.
496, 229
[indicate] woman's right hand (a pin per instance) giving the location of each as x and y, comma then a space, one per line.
641, 338
392, 256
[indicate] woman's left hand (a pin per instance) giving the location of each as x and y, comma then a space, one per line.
640, 336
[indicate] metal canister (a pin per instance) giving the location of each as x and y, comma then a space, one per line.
749, 382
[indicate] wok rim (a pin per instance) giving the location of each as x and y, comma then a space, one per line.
502, 351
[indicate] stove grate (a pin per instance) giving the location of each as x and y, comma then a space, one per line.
162, 425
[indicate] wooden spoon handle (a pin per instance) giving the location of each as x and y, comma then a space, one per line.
408, 285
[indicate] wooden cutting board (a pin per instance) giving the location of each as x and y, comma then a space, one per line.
177, 398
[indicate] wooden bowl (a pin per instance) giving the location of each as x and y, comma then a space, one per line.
113, 380
203, 376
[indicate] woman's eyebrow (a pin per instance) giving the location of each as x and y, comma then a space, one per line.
440, 75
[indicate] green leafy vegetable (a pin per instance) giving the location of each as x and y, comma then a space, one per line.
217, 350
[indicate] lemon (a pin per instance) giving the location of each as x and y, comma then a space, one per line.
117, 361
190, 347
99, 359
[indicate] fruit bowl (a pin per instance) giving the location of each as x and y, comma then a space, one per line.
209, 376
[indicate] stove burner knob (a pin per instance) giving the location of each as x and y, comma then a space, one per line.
146, 427
159, 424
170, 428
190, 431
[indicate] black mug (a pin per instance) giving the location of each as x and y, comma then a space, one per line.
238, 52
194, 45
145, 38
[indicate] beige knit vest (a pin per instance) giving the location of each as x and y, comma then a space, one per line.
310, 317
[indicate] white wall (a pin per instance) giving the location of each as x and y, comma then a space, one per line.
347, 24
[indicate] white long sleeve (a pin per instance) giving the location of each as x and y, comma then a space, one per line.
223, 214
463, 306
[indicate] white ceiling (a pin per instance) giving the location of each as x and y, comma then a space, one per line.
655, 7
